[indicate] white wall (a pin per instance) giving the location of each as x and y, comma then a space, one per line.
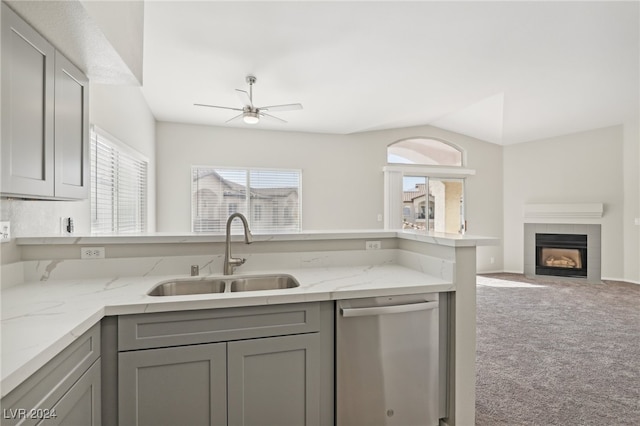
341, 174
337, 172
577, 168
121, 111
483, 191
631, 165
122, 23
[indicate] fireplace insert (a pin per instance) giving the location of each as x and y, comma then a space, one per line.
561, 255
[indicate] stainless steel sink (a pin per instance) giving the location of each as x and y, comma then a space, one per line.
186, 286
266, 282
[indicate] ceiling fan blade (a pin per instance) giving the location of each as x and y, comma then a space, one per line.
244, 98
216, 106
271, 117
285, 107
235, 118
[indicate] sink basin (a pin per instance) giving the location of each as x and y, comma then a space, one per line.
266, 282
186, 286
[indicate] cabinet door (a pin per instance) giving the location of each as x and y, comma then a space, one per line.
71, 131
173, 386
274, 381
80, 406
27, 109
47, 387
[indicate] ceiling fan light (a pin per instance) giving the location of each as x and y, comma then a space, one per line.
251, 117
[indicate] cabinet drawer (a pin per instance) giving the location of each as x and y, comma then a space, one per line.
43, 389
142, 331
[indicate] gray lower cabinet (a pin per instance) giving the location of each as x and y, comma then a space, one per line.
274, 381
249, 376
65, 391
81, 405
174, 386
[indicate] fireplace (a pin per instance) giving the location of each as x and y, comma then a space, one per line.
573, 251
562, 255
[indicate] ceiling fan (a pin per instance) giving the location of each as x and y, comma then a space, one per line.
251, 114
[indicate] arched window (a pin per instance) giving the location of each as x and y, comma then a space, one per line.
425, 151
424, 185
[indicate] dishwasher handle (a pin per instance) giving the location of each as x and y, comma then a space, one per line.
392, 309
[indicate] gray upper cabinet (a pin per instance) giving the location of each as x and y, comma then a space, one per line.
71, 130
45, 131
27, 108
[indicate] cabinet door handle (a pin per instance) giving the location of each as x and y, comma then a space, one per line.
393, 309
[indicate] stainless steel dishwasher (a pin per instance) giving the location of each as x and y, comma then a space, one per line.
387, 362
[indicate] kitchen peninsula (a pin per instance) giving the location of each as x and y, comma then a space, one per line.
53, 297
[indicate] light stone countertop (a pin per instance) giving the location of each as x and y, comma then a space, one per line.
437, 238
41, 318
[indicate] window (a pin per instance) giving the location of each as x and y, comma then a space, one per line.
118, 186
444, 198
270, 199
425, 151
424, 186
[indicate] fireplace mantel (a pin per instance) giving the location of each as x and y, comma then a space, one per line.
564, 211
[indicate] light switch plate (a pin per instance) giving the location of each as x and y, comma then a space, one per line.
5, 231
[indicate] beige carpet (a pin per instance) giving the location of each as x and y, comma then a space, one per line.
557, 352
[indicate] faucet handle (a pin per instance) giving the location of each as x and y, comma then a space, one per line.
237, 261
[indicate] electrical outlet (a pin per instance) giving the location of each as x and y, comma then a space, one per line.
92, 253
637, 221
492, 260
373, 245
5, 231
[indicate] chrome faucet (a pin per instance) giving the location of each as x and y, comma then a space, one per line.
231, 262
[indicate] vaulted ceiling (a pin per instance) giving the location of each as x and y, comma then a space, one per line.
505, 72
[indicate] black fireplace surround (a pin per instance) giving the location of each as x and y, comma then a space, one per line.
562, 255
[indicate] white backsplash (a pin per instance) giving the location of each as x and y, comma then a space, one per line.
44, 270
39, 218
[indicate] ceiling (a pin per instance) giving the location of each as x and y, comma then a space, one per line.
504, 72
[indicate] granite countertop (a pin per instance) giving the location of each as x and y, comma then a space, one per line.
39, 319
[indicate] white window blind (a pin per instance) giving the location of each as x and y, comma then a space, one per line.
118, 186
270, 199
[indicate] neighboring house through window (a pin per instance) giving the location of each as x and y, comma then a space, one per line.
270, 199
118, 186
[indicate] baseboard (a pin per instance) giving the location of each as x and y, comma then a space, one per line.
490, 272
521, 273
501, 271
621, 280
